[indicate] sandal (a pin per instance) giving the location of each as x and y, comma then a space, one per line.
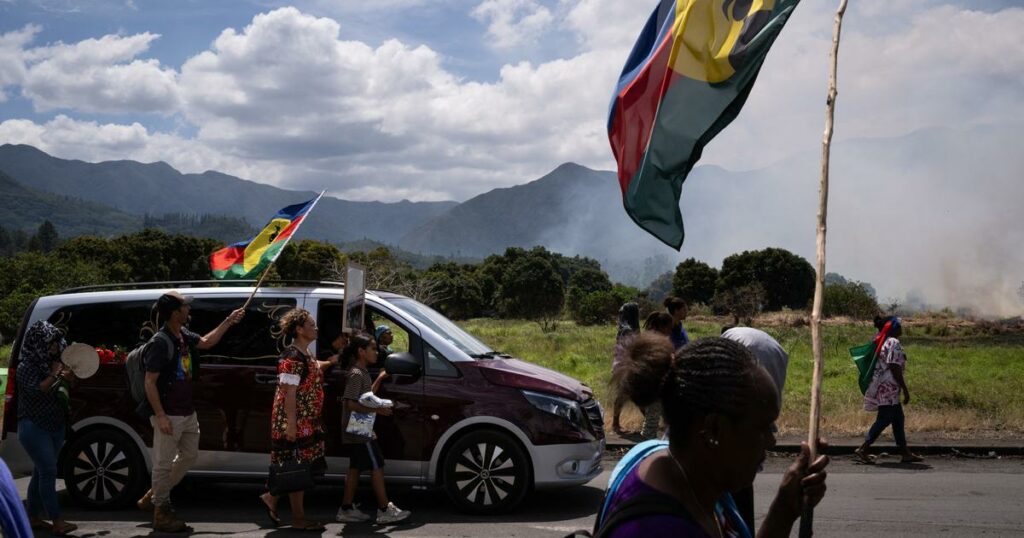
311, 526
913, 458
860, 457
64, 530
275, 520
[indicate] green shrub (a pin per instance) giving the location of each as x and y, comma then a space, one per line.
850, 299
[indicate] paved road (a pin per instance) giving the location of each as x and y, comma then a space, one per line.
946, 497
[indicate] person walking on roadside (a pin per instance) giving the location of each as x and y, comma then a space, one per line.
676, 308
42, 420
296, 429
883, 394
629, 327
770, 356
168, 382
365, 452
658, 323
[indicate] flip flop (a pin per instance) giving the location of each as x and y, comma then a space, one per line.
275, 520
861, 457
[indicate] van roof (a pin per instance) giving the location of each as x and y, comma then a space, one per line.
151, 290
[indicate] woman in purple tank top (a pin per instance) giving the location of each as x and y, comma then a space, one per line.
720, 407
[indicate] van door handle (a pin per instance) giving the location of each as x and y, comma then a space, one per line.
266, 379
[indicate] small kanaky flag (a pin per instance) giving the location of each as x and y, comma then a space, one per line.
689, 74
249, 258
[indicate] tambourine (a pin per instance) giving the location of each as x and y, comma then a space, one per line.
81, 359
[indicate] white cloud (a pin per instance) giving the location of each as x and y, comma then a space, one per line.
12, 56
511, 23
100, 76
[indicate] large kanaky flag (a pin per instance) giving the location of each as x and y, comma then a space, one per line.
689, 74
247, 259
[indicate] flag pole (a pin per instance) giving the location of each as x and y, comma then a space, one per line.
274, 260
807, 519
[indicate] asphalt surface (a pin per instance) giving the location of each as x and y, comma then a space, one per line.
945, 496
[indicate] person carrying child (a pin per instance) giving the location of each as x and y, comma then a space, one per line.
360, 406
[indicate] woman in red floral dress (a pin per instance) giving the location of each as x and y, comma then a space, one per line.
295, 429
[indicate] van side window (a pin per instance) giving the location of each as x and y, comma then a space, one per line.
328, 320
254, 341
437, 365
400, 340
117, 326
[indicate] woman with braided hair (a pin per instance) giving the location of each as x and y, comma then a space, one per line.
296, 429
720, 407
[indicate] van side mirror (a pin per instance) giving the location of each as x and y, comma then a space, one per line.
403, 363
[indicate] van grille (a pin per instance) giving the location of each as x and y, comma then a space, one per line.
595, 418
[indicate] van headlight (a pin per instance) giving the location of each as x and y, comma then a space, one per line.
562, 407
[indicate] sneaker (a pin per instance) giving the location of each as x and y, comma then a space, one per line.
392, 515
352, 515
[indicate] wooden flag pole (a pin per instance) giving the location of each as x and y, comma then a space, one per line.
258, 282
807, 520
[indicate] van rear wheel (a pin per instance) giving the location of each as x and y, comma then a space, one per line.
486, 472
103, 469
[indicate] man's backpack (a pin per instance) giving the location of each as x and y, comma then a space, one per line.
135, 365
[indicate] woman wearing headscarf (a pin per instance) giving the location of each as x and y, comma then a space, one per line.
42, 381
883, 394
721, 407
629, 326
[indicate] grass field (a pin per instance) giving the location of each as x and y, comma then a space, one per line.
961, 385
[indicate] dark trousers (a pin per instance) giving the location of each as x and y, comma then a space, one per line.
888, 415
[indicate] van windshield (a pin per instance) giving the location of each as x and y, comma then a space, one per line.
443, 326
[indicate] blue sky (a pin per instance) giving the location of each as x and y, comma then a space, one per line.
446, 99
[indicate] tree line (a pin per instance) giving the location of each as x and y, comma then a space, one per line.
534, 284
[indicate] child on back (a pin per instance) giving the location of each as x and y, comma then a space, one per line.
362, 442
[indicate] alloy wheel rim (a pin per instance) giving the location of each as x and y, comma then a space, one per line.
485, 474
100, 471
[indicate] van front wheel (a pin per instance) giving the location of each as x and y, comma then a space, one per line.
103, 469
486, 472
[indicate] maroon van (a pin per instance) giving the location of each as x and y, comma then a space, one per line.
484, 426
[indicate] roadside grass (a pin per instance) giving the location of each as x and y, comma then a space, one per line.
5, 355
961, 384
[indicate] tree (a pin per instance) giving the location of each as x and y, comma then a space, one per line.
850, 299
309, 260
694, 281
532, 289
743, 302
27, 275
459, 295
787, 279
48, 237
583, 282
